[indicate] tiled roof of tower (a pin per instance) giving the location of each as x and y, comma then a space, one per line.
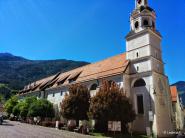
174, 93
108, 67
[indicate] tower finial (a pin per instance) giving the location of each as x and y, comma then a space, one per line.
140, 3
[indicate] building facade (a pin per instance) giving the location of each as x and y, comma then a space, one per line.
139, 71
178, 109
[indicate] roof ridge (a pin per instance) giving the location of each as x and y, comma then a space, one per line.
85, 66
97, 62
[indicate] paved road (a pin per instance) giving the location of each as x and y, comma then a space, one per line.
19, 130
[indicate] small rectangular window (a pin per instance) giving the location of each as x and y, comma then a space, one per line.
53, 94
140, 105
61, 93
137, 54
137, 68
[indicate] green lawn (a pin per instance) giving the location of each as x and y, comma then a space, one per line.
101, 135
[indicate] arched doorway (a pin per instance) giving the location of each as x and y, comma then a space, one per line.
139, 83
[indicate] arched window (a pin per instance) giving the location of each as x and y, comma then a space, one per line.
136, 25
93, 87
139, 83
145, 22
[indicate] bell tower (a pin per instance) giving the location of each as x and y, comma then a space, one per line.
149, 84
144, 41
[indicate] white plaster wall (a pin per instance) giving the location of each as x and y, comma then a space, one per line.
57, 99
143, 66
156, 53
58, 96
137, 42
155, 41
142, 52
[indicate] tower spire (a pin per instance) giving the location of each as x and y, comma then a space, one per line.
140, 3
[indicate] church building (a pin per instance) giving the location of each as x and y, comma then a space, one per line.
139, 71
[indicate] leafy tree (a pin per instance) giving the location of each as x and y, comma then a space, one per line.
42, 108
10, 104
75, 104
111, 104
17, 109
5, 91
23, 106
26, 105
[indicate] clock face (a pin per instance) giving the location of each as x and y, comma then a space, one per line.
139, 1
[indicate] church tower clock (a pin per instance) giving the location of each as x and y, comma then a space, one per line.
150, 89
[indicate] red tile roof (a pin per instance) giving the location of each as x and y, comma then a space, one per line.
174, 93
108, 67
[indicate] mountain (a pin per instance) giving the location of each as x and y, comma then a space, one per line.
17, 71
180, 86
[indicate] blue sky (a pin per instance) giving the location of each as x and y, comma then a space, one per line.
87, 30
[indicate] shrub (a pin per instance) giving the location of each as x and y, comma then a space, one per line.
10, 104
41, 108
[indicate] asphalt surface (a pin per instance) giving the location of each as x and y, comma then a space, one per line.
11, 129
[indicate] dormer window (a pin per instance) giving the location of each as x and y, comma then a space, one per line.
74, 77
62, 80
